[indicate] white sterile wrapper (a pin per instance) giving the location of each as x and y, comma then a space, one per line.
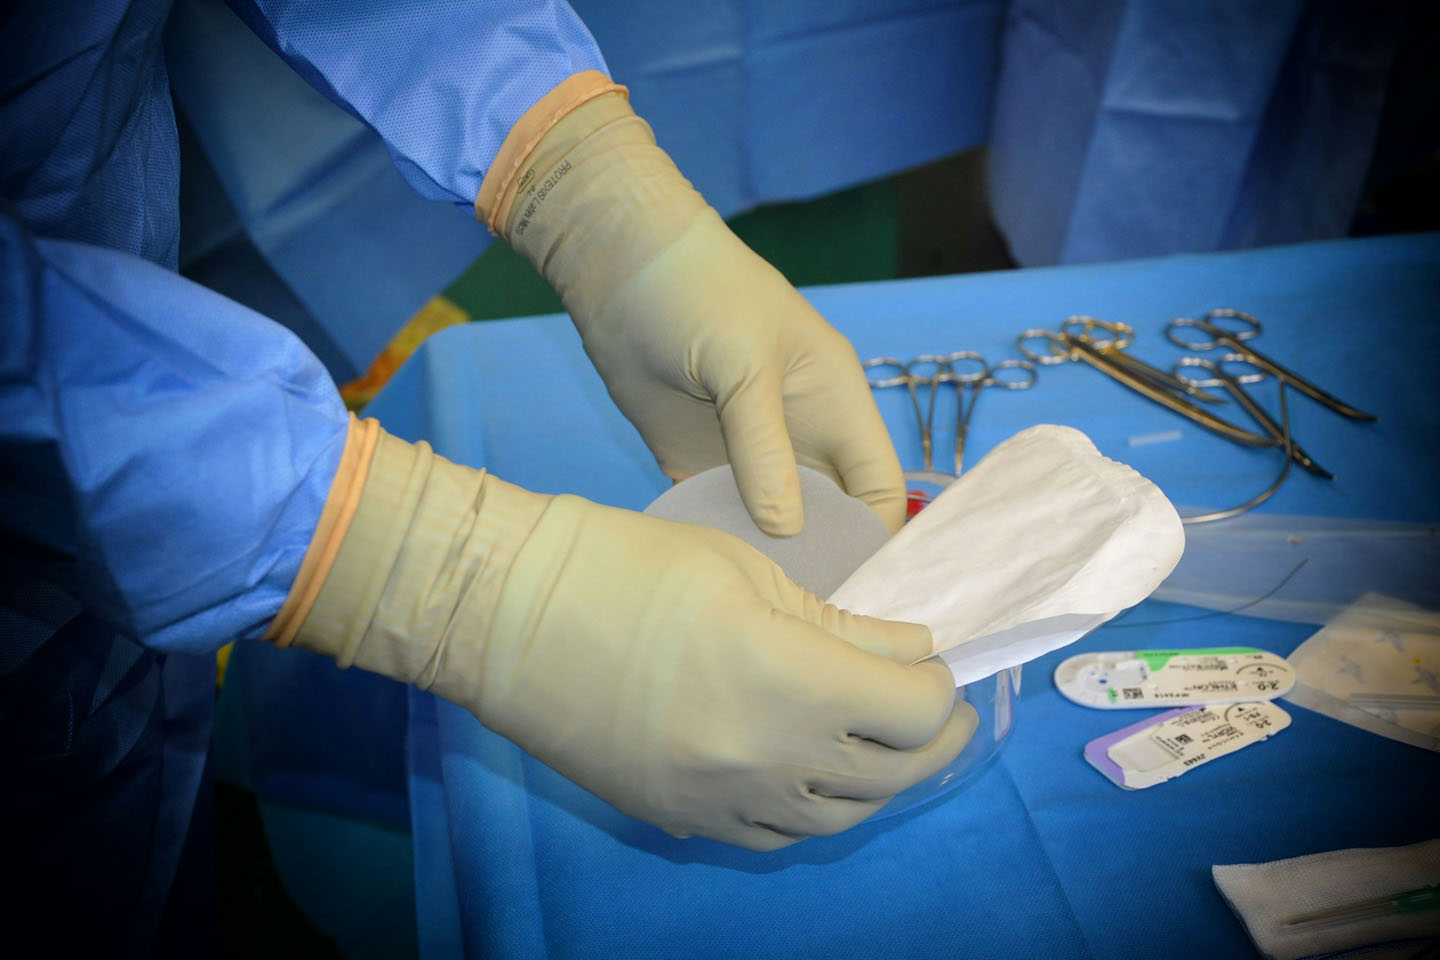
1043, 541
1379, 646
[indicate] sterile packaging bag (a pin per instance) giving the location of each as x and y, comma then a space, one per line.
1377, 667
1041, 542
1304, 569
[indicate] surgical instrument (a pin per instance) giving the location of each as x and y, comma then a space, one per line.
943, 370
1411, 901
1235, 340
976, 379
1081, 348
1396, 701
907, 378
1220, 377
1113, 348
1287, 443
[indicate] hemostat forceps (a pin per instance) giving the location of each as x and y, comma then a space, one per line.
1070, 346
963, 368
1235, 340
980, 375
905, 376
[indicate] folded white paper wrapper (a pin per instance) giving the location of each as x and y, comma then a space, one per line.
1041, 542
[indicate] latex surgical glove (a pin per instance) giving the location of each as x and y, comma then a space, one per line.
704, 346
670, 669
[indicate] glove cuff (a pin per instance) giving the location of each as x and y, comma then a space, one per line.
408, 572
593, 202
340, 504
497, 190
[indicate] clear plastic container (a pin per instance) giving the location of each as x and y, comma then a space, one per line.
995, 699
840, 533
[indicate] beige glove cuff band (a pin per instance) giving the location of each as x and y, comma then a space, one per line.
497, 190
340, 506
597, 202
419, 569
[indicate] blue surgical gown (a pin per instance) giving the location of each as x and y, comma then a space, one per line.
1135, 128
166, 451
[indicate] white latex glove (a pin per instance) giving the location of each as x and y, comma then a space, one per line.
671, 669
708, 350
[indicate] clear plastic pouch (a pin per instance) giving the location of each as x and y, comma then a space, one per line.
1304, 569
995, 700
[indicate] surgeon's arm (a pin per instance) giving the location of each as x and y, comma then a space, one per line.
166, 451
668, 668
184, 467
707, 349
441, 81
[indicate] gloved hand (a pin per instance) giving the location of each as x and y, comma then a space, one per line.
704, 346
670, 669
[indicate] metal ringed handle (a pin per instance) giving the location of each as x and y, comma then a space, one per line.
896, 381
1217, 368
1204, 363
1121, 334
969, 377
1038, 333
1254, 376
1251, 328
1201, 325
1212, 329
1024, 383
942, 373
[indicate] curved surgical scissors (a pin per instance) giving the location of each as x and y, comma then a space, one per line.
1235, 340
1113, 349
1220, 377
1069, 346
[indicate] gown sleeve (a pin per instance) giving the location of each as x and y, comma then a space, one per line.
164, 452
441, 81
